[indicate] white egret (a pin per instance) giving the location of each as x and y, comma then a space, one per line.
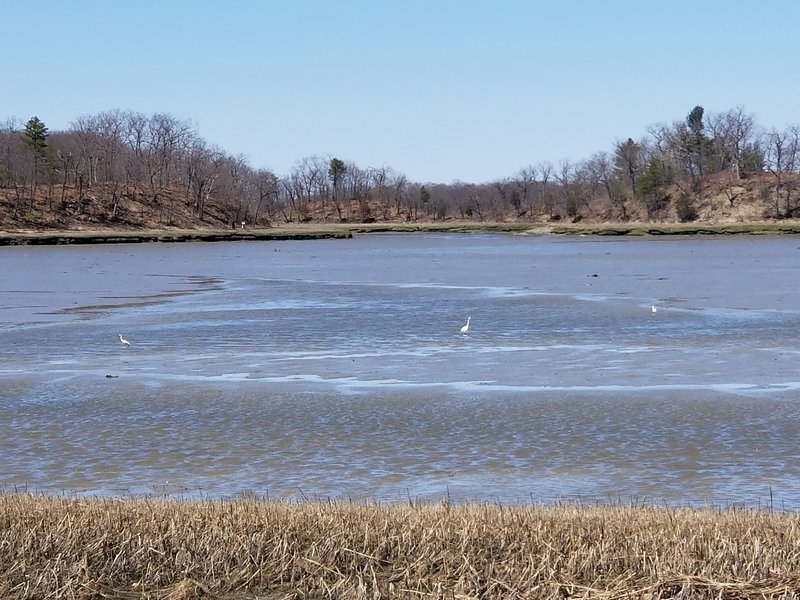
123, 340
465, 328
653, 309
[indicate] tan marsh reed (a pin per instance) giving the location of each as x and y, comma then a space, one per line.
177, 550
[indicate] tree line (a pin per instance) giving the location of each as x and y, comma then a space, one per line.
163, 160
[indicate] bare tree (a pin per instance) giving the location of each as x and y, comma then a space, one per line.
776, 158
567, 192
782, 158
309, 180
358, 185
109, 128
525, 179
493, 201
135, 135
545, 169
265, 184
399, 192
381, 178
232, 190
166, 138
732, 132
661, 136
17, 162
792, 163
628, 164
507, 193
288, 194
204, 166
9, 148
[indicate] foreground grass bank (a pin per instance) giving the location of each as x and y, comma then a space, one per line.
139, 548
325, 230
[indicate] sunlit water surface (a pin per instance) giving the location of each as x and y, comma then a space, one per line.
336, 369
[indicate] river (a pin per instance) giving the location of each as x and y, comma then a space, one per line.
337, 369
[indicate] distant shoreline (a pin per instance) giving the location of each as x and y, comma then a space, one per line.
343, 231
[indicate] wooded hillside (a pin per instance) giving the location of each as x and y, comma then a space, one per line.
126, 170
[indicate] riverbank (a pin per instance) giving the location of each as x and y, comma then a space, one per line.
37, 238
327, 231
248, 548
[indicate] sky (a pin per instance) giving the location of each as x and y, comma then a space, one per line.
438, 90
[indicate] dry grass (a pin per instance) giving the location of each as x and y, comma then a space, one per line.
140, 548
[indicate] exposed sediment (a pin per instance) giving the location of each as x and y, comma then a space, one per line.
134, 237
323, 231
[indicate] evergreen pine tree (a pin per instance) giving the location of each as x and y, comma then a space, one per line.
35, 137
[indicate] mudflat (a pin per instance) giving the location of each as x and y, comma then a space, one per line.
343, 230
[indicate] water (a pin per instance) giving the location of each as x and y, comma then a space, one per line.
335, 369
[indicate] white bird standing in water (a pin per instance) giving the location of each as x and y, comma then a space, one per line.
465, 328
123, 340
653, 309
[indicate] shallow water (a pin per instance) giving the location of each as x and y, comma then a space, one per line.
336, 369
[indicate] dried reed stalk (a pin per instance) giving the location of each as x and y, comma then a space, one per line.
179, 550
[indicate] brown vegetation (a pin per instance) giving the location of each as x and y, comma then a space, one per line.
144, 548
65, 208
719, 199
723, 198
122, 170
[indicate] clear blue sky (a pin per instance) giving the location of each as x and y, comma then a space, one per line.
438, 90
